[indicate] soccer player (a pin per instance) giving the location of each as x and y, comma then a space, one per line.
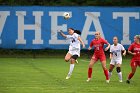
74, 48
98, 44
134, 50
116, 57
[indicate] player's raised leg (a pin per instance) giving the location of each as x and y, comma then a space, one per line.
92, 62
68, 57
105, 71
118, 69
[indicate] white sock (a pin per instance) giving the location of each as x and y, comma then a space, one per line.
120, 75
110, 74
71, 69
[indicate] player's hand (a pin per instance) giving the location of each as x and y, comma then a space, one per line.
59, 31
84, 46
110, 57
106, 48
124, 54
134, 54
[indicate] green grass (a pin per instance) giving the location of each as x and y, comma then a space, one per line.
42, 75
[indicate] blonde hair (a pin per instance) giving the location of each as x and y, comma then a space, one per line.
138, 36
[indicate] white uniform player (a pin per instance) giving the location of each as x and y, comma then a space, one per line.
74, 47
116, 57
116, 54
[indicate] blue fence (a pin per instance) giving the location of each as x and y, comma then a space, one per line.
35, 27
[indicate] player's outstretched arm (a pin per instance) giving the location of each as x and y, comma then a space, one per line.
81, 41
62, 34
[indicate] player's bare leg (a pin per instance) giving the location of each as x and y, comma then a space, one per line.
110, 70
131, 74
92, 62
68, 57
118, 69
105, 71
72, 62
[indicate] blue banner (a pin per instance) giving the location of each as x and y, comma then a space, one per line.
35, 27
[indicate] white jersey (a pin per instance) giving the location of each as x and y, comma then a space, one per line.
74, 47
117, 51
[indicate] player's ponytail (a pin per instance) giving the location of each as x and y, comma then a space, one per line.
77, 31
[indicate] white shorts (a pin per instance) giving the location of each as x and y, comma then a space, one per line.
74, 52
114, 62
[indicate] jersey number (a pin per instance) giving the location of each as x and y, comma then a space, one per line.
73, 40
115, 54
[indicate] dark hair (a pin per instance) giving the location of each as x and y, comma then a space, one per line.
77, 31
71, 28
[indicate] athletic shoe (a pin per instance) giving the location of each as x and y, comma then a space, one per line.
68, 76
120, 81
127, 81
107, 81
88, 79
76, 61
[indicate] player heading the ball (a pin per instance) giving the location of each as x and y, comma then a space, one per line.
74, 48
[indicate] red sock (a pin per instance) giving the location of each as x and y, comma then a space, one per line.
106, 74
89, 72
130, 76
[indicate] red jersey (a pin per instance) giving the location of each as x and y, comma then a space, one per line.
135, 48
98, 45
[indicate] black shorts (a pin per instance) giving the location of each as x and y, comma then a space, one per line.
74, 57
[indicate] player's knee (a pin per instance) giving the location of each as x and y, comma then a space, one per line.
72, 60
66, 59
118, 69
104, 67
133, 72
110, 70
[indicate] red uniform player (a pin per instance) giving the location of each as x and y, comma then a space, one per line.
134, 50
98, 44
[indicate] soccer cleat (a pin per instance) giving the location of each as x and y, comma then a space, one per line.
88, 79
120, 81
127, 81
107, 81
76, 61
68, 76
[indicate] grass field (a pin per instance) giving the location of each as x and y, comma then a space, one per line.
42, 75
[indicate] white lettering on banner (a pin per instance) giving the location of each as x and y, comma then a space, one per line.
36, 27
55, 27
91, 17
3, 17
126, 17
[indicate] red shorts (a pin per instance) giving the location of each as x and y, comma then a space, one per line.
101, 57
135, 63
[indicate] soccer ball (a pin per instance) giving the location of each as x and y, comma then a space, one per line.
66, 15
